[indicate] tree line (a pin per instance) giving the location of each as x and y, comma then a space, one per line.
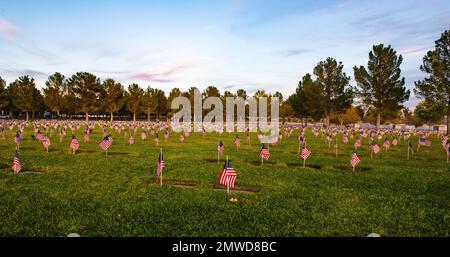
380, 90
378, 96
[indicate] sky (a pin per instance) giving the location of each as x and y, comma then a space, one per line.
233, 44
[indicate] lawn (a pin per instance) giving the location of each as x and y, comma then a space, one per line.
117, 195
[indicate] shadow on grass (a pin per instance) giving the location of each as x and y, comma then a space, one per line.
245, 189
313, 166
342, 168
175, 182
258, 163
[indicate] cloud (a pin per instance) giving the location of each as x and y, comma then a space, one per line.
159, 74
30, 72
294, 52
8, 29
414, 51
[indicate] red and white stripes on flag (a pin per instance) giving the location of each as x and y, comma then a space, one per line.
305, 153
106, 142
45, 142
264, 153
86, 136
375, 148
220, 147
161, 165
228, 175
131, 140
237, 142
16, 166
74, 144
355, 159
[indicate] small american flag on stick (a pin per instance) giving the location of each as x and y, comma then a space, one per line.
228, 175
220, 147
16, 166
74, 144
264, 153
45, 142
354, 160
131, 140
160, 165
106, 143
375, 148
237, 142
17, 139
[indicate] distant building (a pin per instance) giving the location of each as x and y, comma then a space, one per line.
364, 126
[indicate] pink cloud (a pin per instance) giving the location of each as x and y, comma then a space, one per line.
8, 29
413, 51
155, 75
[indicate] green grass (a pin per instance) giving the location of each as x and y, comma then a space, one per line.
95, 195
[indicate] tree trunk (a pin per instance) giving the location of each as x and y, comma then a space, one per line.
148, 117
57, 114
134, 118
378, 120
112, 116
87, 117
32, 115
448, 119
328, 120
27, 115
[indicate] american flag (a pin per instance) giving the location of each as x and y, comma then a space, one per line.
264, 153
355, 159
181, 137
17, 138
220, 147
86, 136
228, 175
386, 144
424, 142
237, 142
131, 140
143, 135
166, 135
45, 141
345, 139
160, 165
16, 166
305, 153
375, 148
39, 135
444, 142
394, 142
74, 144
358, 142
106, 142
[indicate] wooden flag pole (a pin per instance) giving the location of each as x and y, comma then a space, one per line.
408, 151
298, 147
160, 177
228, 186
336, 148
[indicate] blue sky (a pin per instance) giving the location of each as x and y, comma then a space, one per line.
229, 44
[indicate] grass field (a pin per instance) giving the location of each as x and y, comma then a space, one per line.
94, 195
